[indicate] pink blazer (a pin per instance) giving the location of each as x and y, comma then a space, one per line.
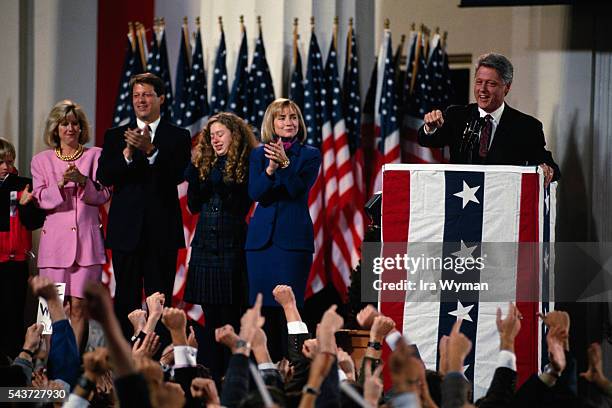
72, 232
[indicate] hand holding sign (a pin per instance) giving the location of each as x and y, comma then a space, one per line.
51, 297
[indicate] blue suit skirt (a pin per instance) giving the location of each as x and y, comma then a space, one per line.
271, 266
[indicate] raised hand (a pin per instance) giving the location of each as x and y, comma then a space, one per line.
147, 347
508, 327
26, 195
227, 336
458, 348
433, 120
138, 318
366, 316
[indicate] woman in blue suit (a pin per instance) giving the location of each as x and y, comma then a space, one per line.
280, 239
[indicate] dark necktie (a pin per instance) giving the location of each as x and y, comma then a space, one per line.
485, 136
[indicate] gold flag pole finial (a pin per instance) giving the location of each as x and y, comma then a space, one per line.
444, 38
197, 21
295, 40
259, 23
185, 21
413, 26
437, 30
220, 23
349, 40
312, 23
387, 23
241, 23
335, 32
131, 35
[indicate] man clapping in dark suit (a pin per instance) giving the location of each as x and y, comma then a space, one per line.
143, 162
489, 131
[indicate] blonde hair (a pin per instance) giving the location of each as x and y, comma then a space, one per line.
58, 114
243, 141
273, 110
7, 150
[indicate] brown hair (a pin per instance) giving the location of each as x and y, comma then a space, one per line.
276, 107
243, 141
149, 79
7, 150
58, 114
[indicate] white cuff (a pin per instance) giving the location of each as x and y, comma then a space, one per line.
76, 401
342, 375
506, 359
393, 337
128, 161
153, 157
429, 132
185, 356
266, 366
297, 327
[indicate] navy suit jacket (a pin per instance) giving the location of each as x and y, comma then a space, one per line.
282, 214
517, 141
145, 202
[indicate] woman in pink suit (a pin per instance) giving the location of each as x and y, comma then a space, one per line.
71, 243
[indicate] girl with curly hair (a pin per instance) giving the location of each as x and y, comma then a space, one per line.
218, 191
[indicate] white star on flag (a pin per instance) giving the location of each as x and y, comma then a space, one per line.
465, 252
462, 312
468, 194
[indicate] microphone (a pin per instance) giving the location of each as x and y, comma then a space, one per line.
471, 133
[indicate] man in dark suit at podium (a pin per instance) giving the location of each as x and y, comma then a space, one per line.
490, 131
144, 162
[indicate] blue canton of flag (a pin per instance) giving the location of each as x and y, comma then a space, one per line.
352, 95
124, 112
386, 109
219, 93
313, 93
439, 73
261, 89
196, 106
158, 65
181, 81
239, 98
296, 86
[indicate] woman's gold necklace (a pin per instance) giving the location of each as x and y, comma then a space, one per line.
69, 157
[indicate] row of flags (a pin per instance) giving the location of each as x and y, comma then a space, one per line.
355, 138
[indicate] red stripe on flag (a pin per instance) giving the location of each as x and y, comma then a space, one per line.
527, 279
396, 220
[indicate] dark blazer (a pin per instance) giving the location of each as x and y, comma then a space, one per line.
30, 215
145, 198
282, 213
501, 390
518, 139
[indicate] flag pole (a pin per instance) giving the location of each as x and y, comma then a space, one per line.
335, 33
186, 38
132, 36
349, 40
241, 23
259, 24
140, 34
387, 23
312, 24
417, 55
220, 24
295, 40
444, 37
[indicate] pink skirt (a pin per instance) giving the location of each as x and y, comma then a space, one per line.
75, 277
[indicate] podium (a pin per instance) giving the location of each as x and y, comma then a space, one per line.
498, 219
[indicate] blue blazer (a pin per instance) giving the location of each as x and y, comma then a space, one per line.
282, 214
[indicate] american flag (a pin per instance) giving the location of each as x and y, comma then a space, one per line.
347, 230
239, 97
368, 133
417, 94
261, 89
196, 107
219, 94
181, 81
439, 73
352, 114
157, 64
313, 86
132, 65
328, 151
296, 84
385, 112
471, 212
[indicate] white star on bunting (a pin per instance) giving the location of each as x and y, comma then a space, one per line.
462, 312
468, 194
